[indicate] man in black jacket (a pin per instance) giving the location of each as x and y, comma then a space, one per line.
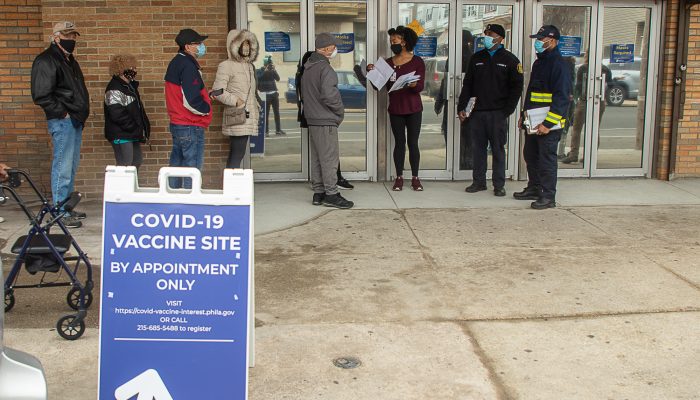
495, 79
58, 87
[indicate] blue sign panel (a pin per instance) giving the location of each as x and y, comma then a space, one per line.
346, 42
174, 322
570, 46
479, 43
277, 41
622, 53
426, 46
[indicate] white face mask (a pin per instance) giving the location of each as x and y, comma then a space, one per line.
334, 53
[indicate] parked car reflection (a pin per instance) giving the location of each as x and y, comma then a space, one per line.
352, 92
625, 81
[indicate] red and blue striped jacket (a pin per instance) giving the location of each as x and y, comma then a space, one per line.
186, 96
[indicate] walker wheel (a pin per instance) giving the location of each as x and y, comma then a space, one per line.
68, 329
9, 300
73, 298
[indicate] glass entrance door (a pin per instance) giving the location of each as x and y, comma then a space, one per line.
608, 46
455, 27
285, 31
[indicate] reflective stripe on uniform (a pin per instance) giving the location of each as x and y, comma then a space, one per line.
553, 118
540, 97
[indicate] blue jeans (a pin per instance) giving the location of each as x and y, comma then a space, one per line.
66, 140
188, 151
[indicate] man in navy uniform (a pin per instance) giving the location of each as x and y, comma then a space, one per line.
550, 86
495, 78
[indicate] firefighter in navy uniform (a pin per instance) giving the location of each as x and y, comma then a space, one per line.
495, 77
550, 86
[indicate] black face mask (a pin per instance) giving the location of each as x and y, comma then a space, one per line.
129, 74
68, 45
396, 48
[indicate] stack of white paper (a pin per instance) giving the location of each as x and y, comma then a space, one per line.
404, 80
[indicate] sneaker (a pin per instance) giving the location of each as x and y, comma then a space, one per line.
344, 184
475, 187
529, 193
337, 201
77, 214
571, 158
280, 132
398, 184
71, 222
500, 192
415, 184
318, 199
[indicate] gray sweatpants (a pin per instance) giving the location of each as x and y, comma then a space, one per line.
324, 158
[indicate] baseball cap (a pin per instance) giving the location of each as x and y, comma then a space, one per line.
65, 27
189, 36
547, 31
497, 29
325, 39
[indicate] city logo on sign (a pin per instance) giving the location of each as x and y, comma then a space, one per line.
148, 386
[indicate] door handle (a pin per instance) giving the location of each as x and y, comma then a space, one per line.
600, 93
450, 89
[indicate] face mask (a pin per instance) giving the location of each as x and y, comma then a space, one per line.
539, 46
244, 51
68, 45
334, 53
488, 42
130, 74
396, 48
201, 50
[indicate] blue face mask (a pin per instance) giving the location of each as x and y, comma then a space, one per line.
201, 50
539, 46
488, 42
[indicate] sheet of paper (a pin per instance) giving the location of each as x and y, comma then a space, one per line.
536, 116
381, 73
404, 80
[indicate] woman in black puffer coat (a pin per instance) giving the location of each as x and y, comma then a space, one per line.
126, 122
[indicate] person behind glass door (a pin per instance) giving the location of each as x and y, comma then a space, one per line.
236, 76
495, 78
267, 83
405, 105
126, 122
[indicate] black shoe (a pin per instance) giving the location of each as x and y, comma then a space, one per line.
529, 193
71, 222
475, 187
500, 192
543, 203
318, 199
571, 158
337, 201
77, 214
280, 132
561, 156
344, 184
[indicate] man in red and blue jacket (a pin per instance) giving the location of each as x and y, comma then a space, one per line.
188, 103
550, 86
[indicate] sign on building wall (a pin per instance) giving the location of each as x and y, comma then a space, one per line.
479, 43
426, 46
176, 309
570, 46
277, 41
622, 53
346, 42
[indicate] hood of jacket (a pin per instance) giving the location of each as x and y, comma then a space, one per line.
235, 40
316, 59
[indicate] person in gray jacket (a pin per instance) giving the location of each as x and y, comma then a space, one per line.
324, 111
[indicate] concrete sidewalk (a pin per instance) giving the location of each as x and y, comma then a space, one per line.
446, 295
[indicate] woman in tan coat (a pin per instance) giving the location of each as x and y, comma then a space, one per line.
236, 76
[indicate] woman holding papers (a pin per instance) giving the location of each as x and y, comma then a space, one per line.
406, 79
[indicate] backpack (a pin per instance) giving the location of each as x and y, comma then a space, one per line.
297, 83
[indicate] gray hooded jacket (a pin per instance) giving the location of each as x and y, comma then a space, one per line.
319, 92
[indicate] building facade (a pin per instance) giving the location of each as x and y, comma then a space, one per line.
644, 122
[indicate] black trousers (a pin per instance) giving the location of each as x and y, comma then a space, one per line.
540, 153
406, 128
236, 151
488, 127
127, 154
272, 100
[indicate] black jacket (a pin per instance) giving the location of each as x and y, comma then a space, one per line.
267, 79
125, 117
550, 86
58, 85
496, 82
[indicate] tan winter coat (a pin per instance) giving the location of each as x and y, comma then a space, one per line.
237, 77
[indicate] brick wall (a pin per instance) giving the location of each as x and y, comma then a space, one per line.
24, 142
146, 29
688, 143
